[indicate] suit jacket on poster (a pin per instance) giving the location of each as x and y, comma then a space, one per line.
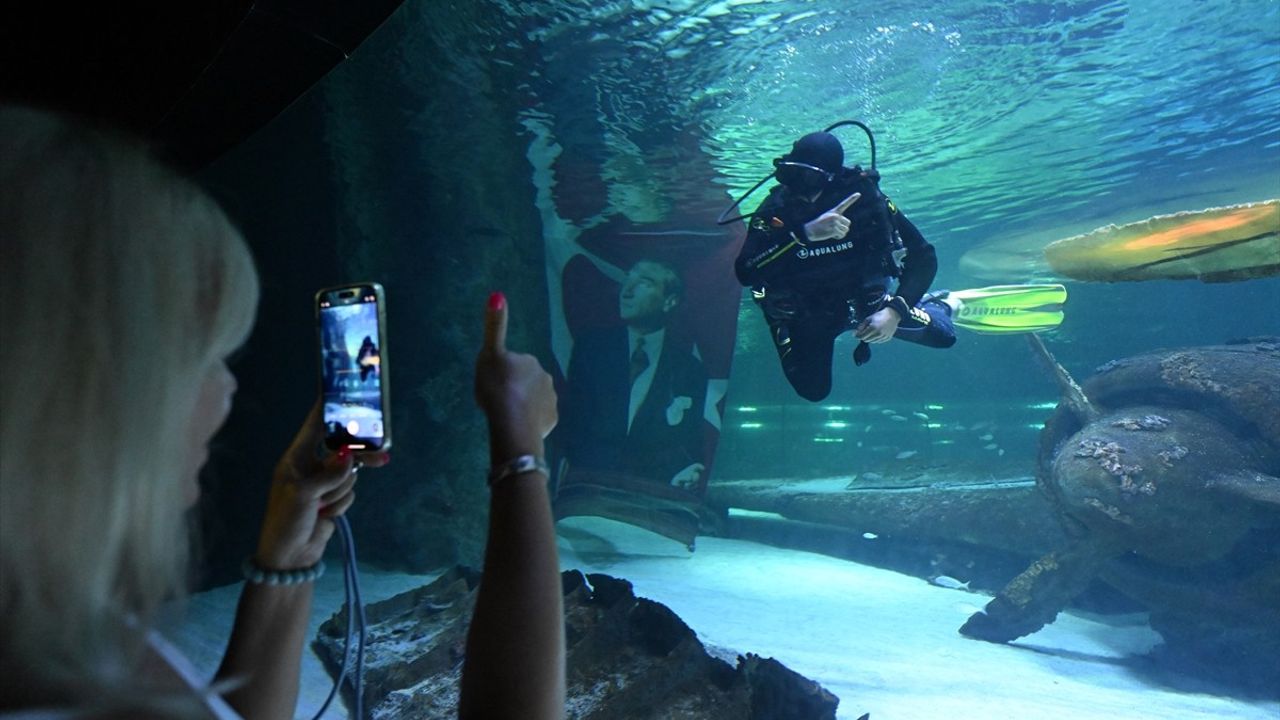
667, 433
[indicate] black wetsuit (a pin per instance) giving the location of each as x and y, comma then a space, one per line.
812, 291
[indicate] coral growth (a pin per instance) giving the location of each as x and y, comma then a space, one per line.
1129, 486
1108, 456
1183, 370
1110, 511
1098, 449
1168, 456
1110, 365
1021, 591
1146, 422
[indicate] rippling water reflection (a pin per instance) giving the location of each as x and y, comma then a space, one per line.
993, 119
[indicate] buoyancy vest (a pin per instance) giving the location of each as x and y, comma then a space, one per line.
871, 218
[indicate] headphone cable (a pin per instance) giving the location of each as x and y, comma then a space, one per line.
356, 630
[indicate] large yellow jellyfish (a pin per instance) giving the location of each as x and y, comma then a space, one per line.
1220, 244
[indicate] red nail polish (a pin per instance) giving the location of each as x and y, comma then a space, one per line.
497, 300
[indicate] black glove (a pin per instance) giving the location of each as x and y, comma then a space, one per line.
862, 354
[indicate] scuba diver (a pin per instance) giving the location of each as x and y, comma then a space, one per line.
828, 252
368, 359
820, 255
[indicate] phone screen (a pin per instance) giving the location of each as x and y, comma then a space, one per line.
352, 367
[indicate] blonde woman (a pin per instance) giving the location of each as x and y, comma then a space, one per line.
122, 289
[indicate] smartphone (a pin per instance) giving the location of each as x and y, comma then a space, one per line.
353, 366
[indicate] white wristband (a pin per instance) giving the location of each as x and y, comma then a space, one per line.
518, 466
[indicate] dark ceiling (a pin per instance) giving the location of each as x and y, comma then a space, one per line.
196, 76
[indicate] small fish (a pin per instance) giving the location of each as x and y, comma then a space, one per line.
905, 454
949, 582
886, 411
921, 415
897, 418
961, 427
988, 436
990, 446
1000, 452
859, 443
866, 429
869, 536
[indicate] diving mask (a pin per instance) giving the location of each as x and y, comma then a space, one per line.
801, 177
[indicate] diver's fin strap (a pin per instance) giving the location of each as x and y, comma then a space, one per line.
910, 317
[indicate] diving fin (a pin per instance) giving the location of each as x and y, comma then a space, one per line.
1006, 309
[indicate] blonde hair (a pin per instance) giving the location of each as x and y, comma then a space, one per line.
122, 282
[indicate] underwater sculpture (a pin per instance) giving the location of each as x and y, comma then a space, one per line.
1222, 244
1172, 456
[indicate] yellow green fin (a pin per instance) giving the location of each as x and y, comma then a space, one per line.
1005, 309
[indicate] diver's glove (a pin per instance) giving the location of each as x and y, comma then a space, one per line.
909, 317
862, 354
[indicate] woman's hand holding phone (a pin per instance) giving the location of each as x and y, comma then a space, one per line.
354, 370
307, 492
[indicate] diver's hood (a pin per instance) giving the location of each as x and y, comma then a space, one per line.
820, 149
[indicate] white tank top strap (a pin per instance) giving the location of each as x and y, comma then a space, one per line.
183, 667
218, 708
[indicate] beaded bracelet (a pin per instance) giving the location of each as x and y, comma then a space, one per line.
518, 466
261, 576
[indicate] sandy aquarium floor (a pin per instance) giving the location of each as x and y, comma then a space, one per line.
883, 642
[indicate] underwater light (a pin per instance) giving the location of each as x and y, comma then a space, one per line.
837, 408
822, 439
1036, 426
743, 512
934, 407
933, 425
751, 425
746, 408
1043, 405
837, 424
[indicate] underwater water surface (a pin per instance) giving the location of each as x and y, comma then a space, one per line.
542, 147
1000, 127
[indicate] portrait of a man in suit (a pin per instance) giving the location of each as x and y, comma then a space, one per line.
635, 394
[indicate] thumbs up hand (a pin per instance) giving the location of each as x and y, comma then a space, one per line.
513, 390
